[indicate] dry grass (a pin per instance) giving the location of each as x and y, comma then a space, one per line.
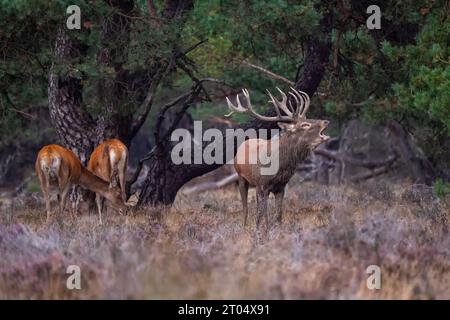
199, 248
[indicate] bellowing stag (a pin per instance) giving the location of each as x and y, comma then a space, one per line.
299, 136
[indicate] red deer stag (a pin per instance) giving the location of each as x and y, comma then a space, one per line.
299, 136
109, 161
59, 167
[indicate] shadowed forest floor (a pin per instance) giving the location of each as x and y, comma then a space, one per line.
200, 249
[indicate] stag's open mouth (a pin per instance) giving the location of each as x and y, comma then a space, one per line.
323, 136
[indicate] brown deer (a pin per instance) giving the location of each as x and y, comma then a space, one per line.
109, 161
59, 167
299, 136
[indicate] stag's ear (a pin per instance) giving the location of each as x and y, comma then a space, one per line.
286, 126
305, 125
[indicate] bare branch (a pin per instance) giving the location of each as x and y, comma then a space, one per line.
212, 185
269, 73
136, 174
162, 113
179, 114
148, 101
372, 174
146, 106
153, 13
336, 50
193, 47
333, 155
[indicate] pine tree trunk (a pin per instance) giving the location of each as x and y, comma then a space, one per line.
74, 126
420, 171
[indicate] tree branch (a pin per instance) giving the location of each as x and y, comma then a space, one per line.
153, 13
146, 105
269, 73
162, 113
360, 163
372, 174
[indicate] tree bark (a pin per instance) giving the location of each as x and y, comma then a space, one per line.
420, 172
74, 126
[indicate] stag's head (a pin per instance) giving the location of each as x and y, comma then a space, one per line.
290, 116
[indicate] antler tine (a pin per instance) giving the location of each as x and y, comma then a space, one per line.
305, 98
283, 104
233, 108
280, 104
296, 102
307, 103
300, 105
274, 103
249, 109
279, 117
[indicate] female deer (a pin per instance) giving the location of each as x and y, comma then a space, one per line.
109, 161
59, 167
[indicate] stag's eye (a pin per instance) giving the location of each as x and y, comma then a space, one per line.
305, 125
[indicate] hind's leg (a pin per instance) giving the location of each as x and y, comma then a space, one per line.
45, 187
76, 202
122, 178
63, 197
99, 202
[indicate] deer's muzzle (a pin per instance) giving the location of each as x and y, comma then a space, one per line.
324, 126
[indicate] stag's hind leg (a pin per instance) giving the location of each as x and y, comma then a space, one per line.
243, 190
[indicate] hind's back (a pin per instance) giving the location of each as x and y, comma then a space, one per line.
53, 158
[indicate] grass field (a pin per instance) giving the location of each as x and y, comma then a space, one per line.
200, 249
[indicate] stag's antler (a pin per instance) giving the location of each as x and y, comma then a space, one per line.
291, 114
305, 101
249, 109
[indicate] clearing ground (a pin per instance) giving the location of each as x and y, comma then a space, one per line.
199, 248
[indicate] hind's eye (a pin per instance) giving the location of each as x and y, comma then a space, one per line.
305, 125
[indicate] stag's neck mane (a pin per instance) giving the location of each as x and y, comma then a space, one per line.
292, 150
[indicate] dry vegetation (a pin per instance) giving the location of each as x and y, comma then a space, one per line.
199, 248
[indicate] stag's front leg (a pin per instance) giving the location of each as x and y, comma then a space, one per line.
243, 190
261, 199
279, 204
